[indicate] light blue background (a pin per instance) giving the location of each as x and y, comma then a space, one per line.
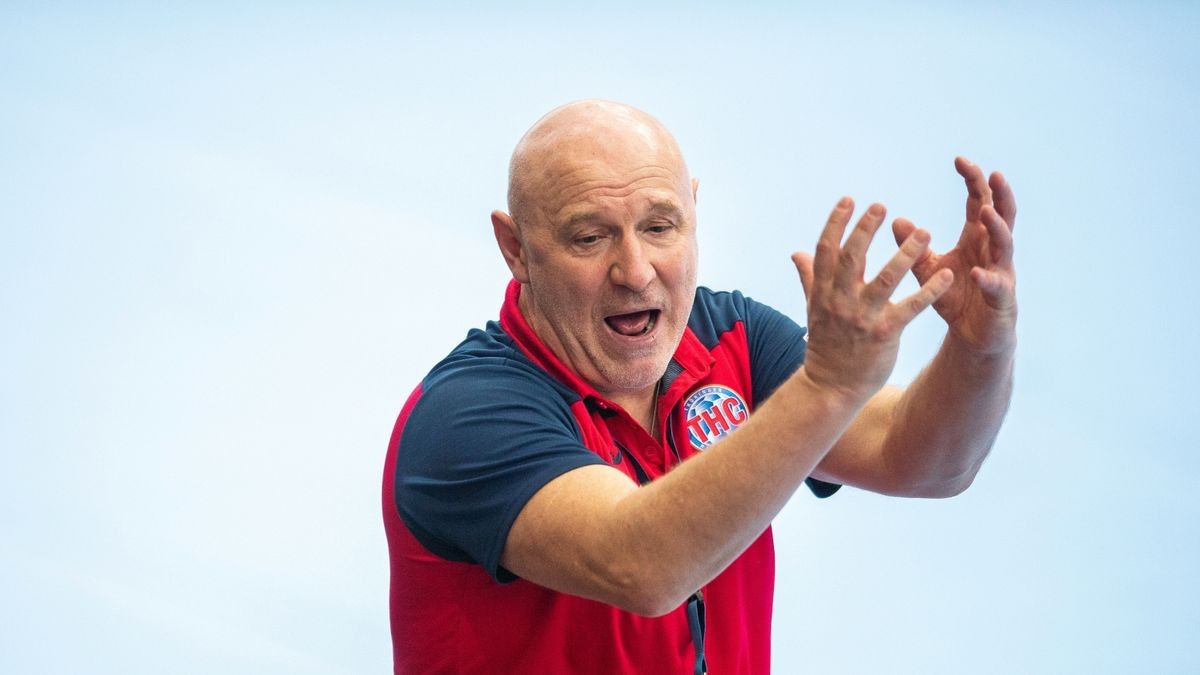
234, 239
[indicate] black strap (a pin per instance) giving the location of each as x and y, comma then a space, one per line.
643, 477
697, 625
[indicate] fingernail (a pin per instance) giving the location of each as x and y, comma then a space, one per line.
844, 203
877, 209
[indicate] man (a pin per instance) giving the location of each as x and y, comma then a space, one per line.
566, 493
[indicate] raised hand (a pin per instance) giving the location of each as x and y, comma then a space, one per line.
981, 306
853, 327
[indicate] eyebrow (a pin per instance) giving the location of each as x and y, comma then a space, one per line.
661, 207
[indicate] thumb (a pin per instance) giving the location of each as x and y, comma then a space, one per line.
804, 265
902, 228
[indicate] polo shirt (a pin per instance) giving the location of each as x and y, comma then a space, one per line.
499, 418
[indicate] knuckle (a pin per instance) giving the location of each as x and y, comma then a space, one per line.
840, 310
881, 331
886, 279
913, 246
916, 303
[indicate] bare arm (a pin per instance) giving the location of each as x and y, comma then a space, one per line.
930, 439
592, 533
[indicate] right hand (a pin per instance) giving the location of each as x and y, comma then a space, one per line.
853, 327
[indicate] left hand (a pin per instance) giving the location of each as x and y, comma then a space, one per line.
981, 305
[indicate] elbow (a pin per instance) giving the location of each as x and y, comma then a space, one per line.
944, 487
959, 485
650, 600
943, 490
649, 593
650, 606
948, 477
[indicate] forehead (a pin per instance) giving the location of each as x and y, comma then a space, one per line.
588, 182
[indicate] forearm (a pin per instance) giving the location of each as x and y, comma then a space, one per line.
945, 423
723, 499
656, 544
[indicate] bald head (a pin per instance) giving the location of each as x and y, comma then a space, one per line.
582, 134
601, 237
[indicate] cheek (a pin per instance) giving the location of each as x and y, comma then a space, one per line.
680, 273
574, 288
682, 284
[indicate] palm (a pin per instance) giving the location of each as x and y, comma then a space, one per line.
980, 307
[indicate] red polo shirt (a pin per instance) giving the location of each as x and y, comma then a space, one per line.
499, 418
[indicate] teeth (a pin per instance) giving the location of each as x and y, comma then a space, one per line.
649, 324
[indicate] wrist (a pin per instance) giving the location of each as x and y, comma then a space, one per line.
971, 358
827, 395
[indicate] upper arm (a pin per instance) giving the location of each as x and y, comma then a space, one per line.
473, 451
561, 537
858, 457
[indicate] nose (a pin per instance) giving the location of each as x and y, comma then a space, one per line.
632, 267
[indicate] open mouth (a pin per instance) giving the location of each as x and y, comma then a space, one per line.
633, 324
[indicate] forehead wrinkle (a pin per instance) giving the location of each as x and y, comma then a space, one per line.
573, 191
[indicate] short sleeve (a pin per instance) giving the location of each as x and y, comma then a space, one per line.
476, 446
777, 348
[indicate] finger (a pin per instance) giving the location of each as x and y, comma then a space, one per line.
973, 243
804, 265
978, 191
908, 308
885, 283
1002, 194
829, 244
902, 228
1000, 241
853, 260
999, 289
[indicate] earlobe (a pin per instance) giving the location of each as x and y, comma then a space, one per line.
508, 238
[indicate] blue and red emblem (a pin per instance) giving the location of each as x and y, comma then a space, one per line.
713, 412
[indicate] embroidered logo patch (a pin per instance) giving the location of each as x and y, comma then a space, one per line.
712, 413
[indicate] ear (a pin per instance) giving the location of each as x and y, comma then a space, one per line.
695, 187
508, 237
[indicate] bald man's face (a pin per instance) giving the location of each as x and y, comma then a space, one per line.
608, 256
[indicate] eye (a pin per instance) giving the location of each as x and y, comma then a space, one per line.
660, 228
587, 240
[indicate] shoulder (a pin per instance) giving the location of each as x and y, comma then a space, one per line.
715, 313
487, 362
486, 430
486, 383
771, 342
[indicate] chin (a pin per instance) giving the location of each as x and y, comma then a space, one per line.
637, 377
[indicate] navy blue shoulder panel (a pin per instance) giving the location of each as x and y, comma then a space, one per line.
490, 429
714, 314
777, 347
776, 343
495, 347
